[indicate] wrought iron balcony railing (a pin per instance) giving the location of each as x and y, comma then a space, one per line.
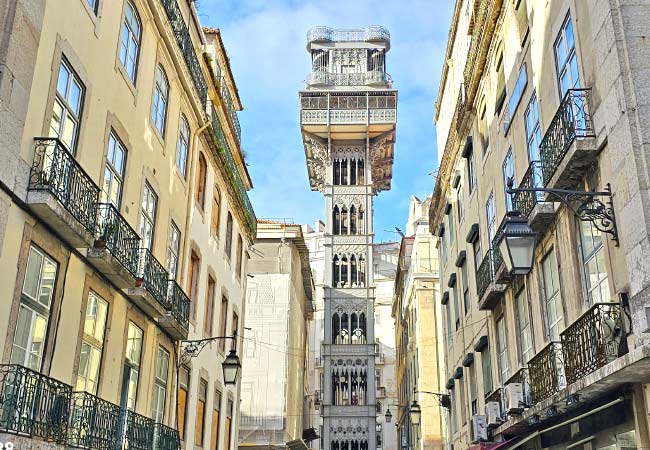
486, 273
234, 178
232, 114
33, 404
138, 432
184, 41
326, 34
94, 423
596, 338
524, 202
348, 79
369, 100
571, 121
154, 277
178, 304
165, 438
546, 370
55, 170
114, 232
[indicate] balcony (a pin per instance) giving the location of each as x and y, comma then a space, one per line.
94, 423
569, 145
62, 194
138, 433
483, 23
595, 339
165, 438
230, 109
370, 78
177, 319
150, 291
489, 290
540, 213
547, 373
327, 35
33, 404
184, 41
115, 251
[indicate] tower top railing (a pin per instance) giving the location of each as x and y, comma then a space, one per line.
373, 33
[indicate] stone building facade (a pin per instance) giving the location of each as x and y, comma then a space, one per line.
552, 96
127, 225
348, 114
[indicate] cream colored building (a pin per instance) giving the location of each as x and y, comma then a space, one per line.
278, 313
113, 230
416, 313
553, 95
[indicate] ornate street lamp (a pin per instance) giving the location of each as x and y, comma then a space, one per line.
388, 415
517, 244
416, 413
231, 368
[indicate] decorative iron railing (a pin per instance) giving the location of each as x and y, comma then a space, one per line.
324, 101
232, 114
486, 272
524, 202
94, 423
165, 438
114, 232
231, 169
55, 170
138, 432
33, 404
546, 370
184, 41
153, 275
596, 338
348, 79
178, 304
326, 34
572, 120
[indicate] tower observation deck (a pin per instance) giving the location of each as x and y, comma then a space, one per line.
347, 119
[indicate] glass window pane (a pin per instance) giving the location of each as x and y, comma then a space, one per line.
38, 342
48, 279
64, 78
32, 273
21, 337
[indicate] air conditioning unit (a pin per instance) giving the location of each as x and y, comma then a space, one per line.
514, 398
479, 428
493, 414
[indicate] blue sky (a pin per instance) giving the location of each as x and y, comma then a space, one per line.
265, 40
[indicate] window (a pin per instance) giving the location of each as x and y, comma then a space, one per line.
456, 306
173, 250
452, 231
229, 236
92, 4
471, 173
209, 307
229, 411
214, 438
193, 281
160, 100
200, 413
240, 255
523, 323
443, 249
462, 400
453, 412
566, 59
500, 82
114, 171
467, 301
183, 145
68, 103
160, 385
235, 330
490, 215
216, 213
487, 370
131, 373
508, 169
449, 333
183, 391
478, 255
378, 436
518, 91
34, 311
92, 344
223, 322
593, 263
473, 389
459, 202
552, 297
502, 348
130, 41
483, 129
533, 130
148, 216
200, 181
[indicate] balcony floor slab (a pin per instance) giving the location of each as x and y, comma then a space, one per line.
146, 301
51, 211
570, 171
633, 367
542, 216
173, 328
107, 264
491, 296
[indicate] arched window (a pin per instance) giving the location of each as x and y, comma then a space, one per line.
336, 220
160, 100
183, 145
200, 181
344, 272
337, 172
344, 171
353, 271
361, 177
336, 271
336, 326
353, 172
361, 221
344, 332
362, 271
353, 220
344, 221
130, 41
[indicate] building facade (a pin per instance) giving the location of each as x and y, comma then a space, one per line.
348, 114
551, 96
278, 315
417, 319
129, 128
